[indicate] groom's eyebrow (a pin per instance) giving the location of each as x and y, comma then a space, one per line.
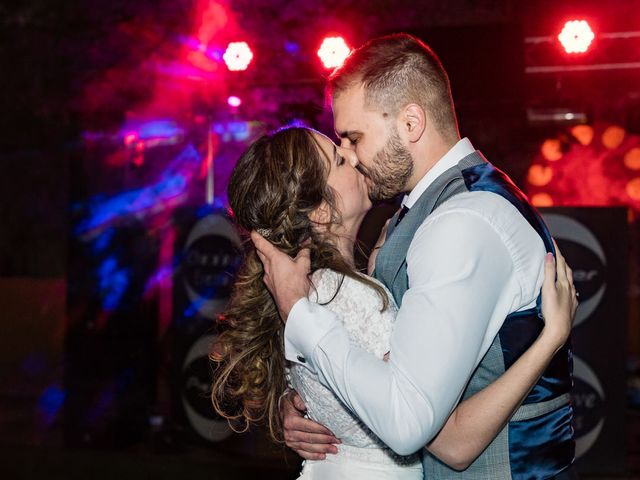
347, 133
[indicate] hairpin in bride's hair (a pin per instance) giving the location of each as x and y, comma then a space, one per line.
265, 232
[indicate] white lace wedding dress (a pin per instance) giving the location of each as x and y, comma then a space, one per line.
361, 455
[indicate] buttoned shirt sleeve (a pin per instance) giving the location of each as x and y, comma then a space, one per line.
459, 271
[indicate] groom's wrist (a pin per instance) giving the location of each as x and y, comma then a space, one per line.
287, 306
307, 325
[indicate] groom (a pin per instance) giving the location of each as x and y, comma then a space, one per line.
463, 260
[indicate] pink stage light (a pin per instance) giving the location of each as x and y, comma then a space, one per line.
238, 56
234, 101
576, 36
333, 51
130, 138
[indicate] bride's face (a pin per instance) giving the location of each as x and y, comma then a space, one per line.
352, 198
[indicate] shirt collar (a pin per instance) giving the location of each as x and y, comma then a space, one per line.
460, 150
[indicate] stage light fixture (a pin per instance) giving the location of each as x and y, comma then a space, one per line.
238, 56
576, 36
333, 51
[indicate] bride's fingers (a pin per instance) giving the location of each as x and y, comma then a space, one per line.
569, 274
548, 286
561, 269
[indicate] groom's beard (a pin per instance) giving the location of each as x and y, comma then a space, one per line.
391, 169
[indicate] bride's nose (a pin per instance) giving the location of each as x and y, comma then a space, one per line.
349, 155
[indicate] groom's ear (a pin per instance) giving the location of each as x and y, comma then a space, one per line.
414, 122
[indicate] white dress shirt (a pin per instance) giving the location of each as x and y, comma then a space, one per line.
471, 263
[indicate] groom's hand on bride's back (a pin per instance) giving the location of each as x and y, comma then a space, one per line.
285, 277
307, 438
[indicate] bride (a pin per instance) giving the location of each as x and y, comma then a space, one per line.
296, 189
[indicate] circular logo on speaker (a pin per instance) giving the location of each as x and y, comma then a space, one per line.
211, 260
588, 399
196, 390
585, 256
209, 265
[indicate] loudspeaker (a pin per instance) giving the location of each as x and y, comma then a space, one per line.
207, 256
594, 242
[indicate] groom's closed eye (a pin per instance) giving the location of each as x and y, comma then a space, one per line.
350, 136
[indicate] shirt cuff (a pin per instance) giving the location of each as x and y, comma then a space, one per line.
306, 325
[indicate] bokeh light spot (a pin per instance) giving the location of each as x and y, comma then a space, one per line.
551, 150
613, 137
542, 200
632, 159
539, 175
583, 133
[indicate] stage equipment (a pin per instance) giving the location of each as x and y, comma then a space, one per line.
594, 242
207, 256
333, 51
237, 56
576, 36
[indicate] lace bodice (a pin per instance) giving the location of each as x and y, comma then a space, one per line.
358, 306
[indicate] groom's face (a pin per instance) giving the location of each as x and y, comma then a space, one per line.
372, 134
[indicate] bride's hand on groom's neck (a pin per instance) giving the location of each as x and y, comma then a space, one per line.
286, 278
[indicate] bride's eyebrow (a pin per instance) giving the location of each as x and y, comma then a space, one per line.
335, 154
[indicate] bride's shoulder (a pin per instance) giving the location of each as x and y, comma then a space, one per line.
324, 284
328, 285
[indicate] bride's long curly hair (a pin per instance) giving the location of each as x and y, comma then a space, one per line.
276, 184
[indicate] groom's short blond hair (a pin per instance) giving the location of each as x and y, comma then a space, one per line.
397, 70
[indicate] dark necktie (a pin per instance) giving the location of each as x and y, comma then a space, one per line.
403, 212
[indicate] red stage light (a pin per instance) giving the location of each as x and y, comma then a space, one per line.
333, 51
238, 56
234, 101
576, 36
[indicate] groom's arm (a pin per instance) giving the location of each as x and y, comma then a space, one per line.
458, 269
